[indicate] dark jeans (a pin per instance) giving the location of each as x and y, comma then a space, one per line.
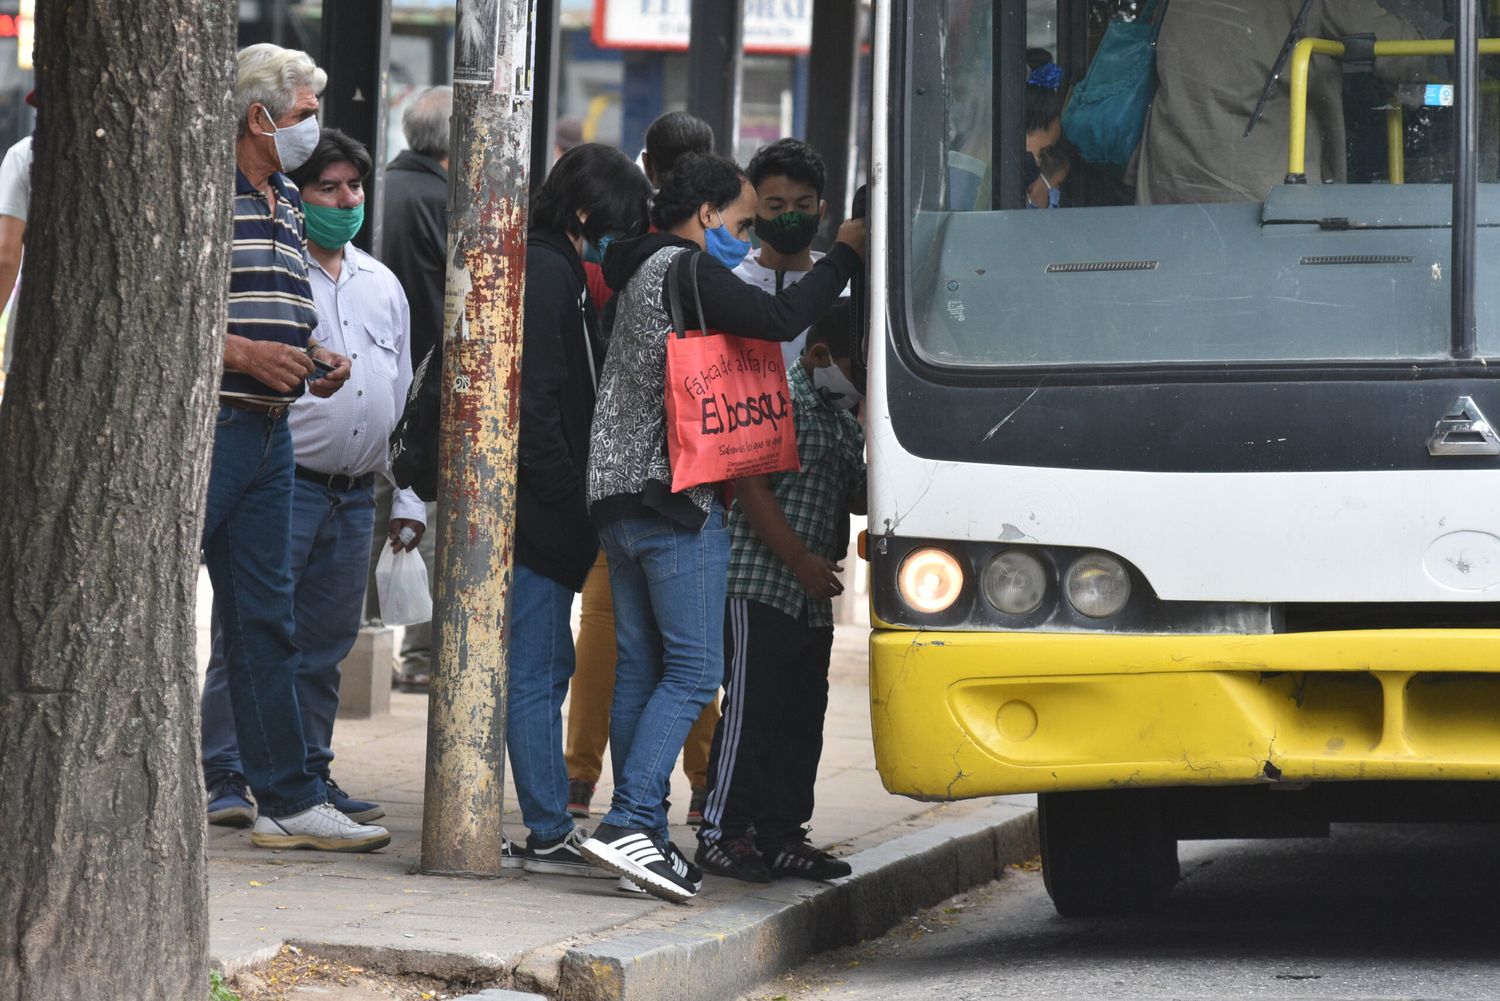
766, 748
329, 532
247, 547
541, 662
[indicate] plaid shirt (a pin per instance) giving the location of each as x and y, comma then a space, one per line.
815, 501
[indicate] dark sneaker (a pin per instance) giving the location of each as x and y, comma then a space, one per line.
229, 804
695, 806
560, 857
735, 858
579, 794
510, 855
681, 863
800, 858
633, 853
361, 811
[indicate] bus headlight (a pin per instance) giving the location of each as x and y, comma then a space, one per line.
1015, 582
930, 580
1097, 585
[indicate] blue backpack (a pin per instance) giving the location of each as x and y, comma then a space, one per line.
1106, 113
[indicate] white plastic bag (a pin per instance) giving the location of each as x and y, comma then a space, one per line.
401, 579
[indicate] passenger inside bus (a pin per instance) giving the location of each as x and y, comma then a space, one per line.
1054, 163
1212, 60
969, 174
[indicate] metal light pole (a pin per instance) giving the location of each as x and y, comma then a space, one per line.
716, 57
494, 53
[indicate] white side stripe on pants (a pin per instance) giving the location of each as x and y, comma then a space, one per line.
738, 617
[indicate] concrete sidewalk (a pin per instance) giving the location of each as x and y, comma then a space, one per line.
582, 938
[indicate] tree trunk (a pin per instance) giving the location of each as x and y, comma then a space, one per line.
105, 434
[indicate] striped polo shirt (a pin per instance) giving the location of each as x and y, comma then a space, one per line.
270, 298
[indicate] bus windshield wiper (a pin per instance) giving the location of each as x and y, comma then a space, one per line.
1299, 26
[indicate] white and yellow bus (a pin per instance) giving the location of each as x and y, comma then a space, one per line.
1185, 516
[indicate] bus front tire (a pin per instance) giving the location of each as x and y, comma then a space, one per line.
1107, 852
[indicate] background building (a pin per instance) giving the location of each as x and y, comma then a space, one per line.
623, 62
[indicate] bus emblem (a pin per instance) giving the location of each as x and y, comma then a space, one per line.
1463, 430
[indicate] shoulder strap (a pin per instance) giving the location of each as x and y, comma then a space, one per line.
674, 291
674, 296
697, 299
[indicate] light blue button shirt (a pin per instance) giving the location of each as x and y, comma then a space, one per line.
364, 317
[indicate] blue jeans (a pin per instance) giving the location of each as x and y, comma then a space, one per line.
541, 664
668, 583
330, 552
247, 546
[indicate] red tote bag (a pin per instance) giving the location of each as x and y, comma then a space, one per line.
729, 410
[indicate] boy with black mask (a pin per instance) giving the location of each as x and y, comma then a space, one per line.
789, 176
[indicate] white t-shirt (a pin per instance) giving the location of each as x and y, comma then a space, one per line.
15, 199
752, 272
15, 180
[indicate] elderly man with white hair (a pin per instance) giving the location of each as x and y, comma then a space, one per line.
269, 361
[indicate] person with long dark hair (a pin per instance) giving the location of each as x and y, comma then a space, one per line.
669, 552
593, 195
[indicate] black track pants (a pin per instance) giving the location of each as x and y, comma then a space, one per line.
766, 748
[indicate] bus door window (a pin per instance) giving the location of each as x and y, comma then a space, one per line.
968, 39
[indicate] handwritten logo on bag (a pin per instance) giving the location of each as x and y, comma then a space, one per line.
701, 382
722, 415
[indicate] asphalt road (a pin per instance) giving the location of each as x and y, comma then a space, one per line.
1372, 912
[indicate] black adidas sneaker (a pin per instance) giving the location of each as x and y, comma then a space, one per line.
799, 858
632, 852
735, 858
685, 866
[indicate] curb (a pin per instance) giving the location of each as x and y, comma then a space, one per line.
735, 946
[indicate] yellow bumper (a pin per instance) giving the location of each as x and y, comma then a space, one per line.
957, 715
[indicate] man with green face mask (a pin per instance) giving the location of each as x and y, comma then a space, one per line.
788, 176
340, 446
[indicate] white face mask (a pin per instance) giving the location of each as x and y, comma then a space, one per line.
835, 388
295, 143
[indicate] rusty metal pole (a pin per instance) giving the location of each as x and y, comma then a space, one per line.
494, 47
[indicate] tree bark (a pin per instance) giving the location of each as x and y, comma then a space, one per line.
105, 436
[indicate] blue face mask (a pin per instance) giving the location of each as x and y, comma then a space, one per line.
593, 253
723, 246
1054, 197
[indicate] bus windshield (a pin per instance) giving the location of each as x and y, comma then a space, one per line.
1058, 218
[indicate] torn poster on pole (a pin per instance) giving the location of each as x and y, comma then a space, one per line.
476, 41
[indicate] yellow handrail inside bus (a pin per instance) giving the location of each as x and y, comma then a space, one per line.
1296, 166
1395, 142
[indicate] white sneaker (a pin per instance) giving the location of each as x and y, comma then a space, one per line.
626, 886
323, 827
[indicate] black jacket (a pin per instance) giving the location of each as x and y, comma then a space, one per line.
414, 242
561, 355
731, 305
